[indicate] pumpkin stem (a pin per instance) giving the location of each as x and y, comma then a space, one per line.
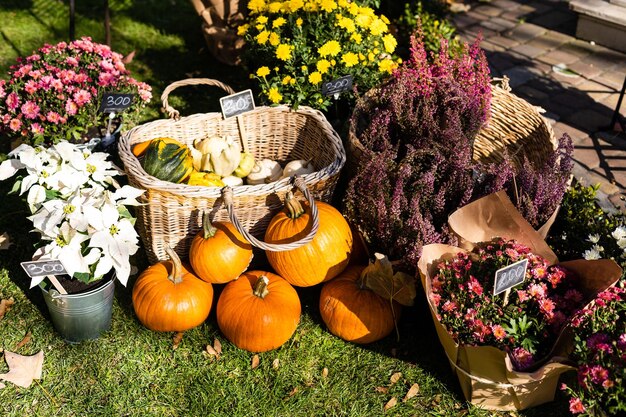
260, 287
207, 228
176, 276
293, 205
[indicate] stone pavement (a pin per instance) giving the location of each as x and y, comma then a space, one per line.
524, 40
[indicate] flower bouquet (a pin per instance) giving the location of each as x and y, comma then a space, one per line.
600, 352
55, 93
295, 46
505, 347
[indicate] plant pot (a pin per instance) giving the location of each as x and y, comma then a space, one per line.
81, 316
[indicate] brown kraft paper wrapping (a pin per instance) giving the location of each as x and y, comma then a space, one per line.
485, 373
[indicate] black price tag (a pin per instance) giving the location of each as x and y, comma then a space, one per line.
337, 86
510, 276
236, 104
43, 268
115, 102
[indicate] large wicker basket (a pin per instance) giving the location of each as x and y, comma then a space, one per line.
171, 213
515, 127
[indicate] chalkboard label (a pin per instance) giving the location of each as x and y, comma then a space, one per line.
43, 268
115, 102
236, 104
337, 86
510, 276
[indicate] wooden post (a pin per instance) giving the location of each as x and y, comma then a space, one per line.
72, 20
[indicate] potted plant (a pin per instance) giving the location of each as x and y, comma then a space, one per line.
293, 48
600, 353
79, 210
55, 94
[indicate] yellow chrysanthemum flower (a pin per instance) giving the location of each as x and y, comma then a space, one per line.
350, 59
378, 27
241, 30
323, 66
353, 9
315, 78
331, 48
328, 5
357, 38
262, 37
274, 39
262, 72
363, 20
256, 5
294, 5
332, 62
287, 80
274, 96
390, 43
278, 22
387, 65
283, 52
343, 3
384, 19
299, 22
367, 11
371, 57
347, 24
304, 68
361, 57
261, 20
275, 7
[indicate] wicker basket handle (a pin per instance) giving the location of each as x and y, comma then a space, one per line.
171, 111
227, 194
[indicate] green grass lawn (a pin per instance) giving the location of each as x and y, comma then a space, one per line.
136, 372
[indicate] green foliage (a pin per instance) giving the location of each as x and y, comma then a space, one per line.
435, 26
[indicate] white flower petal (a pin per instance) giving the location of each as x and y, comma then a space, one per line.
9, 167
36, 196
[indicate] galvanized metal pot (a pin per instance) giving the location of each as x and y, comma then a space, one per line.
82, 316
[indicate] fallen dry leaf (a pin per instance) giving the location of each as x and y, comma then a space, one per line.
324, 372
5, 305
2, 385
391, 403
382, 390
293, 392
211, 351
276, 363
217, 345
380, 278
5, 241
23, 369
128, 58
395, 377
178, 337
413, 391
255, 362
25, 340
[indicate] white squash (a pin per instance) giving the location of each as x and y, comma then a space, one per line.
298, 167
264, 172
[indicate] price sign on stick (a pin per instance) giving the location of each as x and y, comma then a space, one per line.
236, 104
510, 276
48, 268
338, 86
115, 102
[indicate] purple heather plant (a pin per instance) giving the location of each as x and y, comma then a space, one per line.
417, 168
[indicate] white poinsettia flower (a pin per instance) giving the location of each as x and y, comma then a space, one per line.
48, 218
127, 195
67, 248
100, 170
9, 168
36, 196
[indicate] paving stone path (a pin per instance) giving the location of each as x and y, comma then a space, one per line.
524, 40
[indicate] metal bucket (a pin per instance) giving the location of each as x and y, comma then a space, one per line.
81, 316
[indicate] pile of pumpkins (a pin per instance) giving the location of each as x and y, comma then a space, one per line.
214, 161
260, 310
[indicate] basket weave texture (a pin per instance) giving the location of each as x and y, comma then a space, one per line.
172, 213
515, 127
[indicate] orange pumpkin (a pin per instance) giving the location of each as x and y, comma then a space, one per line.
169, 298
319, 260
259, 311
219, 253
353, 312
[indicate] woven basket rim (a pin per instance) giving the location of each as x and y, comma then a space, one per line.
133, 166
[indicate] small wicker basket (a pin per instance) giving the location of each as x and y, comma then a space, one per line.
515, 127
171, 213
